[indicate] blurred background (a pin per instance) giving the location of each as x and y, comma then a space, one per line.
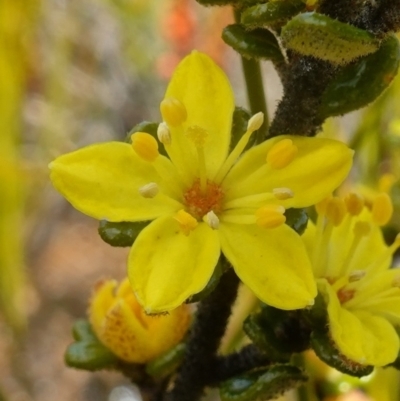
74, 72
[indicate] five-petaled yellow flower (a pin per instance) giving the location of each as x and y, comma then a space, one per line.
122, 325
203, 198
351, 263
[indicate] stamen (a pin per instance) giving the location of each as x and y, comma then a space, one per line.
354, 204
356, 275
163, 134
149, 190
386, 182
382, 209
282, 154
320, 207
283, 193
335, 211
212, 220
199, 136
255, 122
237, 151
145, 146
186, 221
386, 254
270, 216
173, 111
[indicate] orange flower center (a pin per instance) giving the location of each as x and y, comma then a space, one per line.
199, 203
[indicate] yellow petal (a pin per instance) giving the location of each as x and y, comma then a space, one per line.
272, 262
166, 266
203, 88
103, 181
319, 167
360, 335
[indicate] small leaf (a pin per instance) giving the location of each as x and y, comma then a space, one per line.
89, 356
297, 219
167, 363
328, 353
317, 35
273, 13
262, 384
258, 43
121, 234
361, 82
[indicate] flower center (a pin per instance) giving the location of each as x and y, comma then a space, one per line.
199, 203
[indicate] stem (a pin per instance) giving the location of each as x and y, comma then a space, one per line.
196, 370
255, 89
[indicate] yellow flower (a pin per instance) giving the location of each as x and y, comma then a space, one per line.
121, 324
351, 263
204, 199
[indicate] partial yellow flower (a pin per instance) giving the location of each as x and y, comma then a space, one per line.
351, 263
121, 324
205, 198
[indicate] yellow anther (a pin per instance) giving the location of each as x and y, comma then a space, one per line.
282, 154
163, 134
386, 182
255, 122
145, 146
212, 220
197, 134
149, 190
362, 228
382, 209
173, 111
335, 210
354, 204
320, 207
186, 221
283, 193
356, 275
270, 216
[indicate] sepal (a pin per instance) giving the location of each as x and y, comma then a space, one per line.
324, 347
361, 82
317, 35
258, 43
166, 363
87, 352
122, 234
262, 383
273, 13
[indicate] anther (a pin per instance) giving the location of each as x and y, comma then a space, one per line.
145, 146
335, 211
255, 122
356, 275
186, 221
212, 220
270, 216
354, 204
173, 111
163, 134
382, 209
283, 193
320, 207
149, 190
282, 154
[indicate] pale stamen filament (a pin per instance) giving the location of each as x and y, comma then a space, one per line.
238, 150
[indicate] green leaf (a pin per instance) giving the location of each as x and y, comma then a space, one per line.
361, 82
167, 363
258, 43
273, 13
317, 35
82, 331
89, 356
121, 234
262, 384
328, 353
297, 219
